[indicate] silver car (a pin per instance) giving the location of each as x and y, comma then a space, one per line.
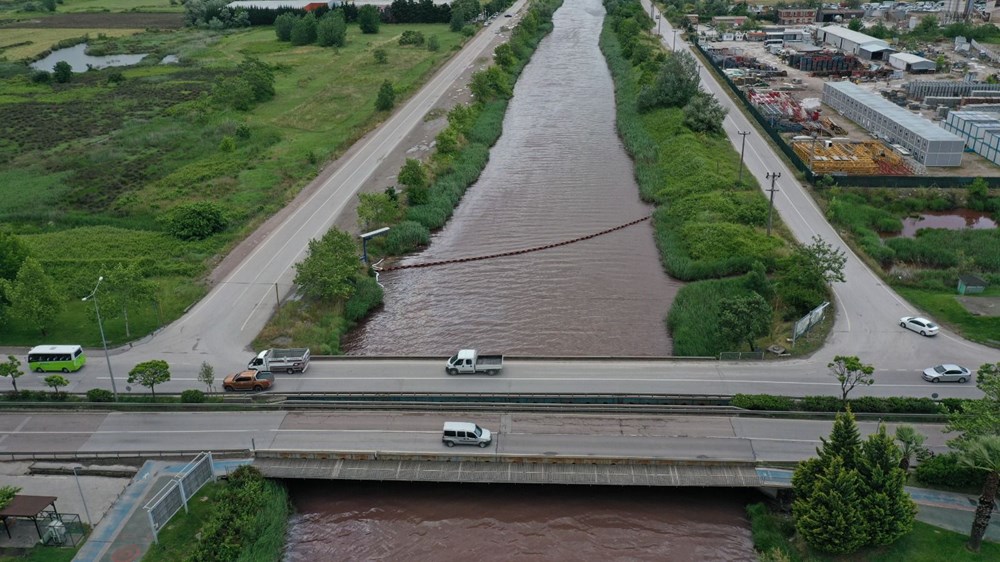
922, 326
947, 373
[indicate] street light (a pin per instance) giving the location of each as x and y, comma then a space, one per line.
104, 341
773, 176
674, 46
82, 497
743, 146
658, 20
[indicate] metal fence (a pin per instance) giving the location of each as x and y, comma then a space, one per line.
741, 355
175, 495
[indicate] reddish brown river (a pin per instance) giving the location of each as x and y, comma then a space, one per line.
558, 172
482, 523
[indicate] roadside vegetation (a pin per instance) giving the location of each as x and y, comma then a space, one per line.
241, 520
149, 174
712, 230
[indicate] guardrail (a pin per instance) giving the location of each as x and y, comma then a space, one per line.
116, 455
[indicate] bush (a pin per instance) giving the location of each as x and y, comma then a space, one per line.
821, 404
433, 44
946, 470
304, 30
405, 237
100, 395
763, 402
410, 37
283, 25
367, 296
192, 396
41, 77
195, 221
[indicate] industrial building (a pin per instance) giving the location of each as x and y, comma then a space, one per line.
911, 63
920, 89
854, 42
796, 16
980, 129
927, 143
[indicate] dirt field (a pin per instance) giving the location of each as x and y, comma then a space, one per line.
101, 21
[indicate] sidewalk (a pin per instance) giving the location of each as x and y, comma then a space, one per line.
124, 535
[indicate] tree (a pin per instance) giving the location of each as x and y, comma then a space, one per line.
283, 25
206, 375
150, 374
194, 221
56, 382
127, 287
830, 519
62, 72
941, 63
386, 97
376, 210
980, 416
368, 19
827, 260
911, 444
704, 114
887, 508
332, 30
844, 443
504, 56
33, 296
490, 84
260, 76
413, 174
13, 252
675, 84
304, 30
854, 24
983, 453
850, 372
744, 318
12, 369
327, 273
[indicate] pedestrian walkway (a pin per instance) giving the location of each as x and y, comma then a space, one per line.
124, 535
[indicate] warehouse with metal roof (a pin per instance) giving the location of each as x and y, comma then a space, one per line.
855, 42
929, 144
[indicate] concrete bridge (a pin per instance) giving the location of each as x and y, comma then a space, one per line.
517, 469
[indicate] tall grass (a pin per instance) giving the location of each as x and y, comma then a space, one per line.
693, 319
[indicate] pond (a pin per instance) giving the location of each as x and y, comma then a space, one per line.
78, 58
957, 219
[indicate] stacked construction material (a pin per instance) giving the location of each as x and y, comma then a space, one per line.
860, 159
825, 63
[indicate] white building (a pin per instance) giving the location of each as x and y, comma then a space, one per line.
929, 144
911, 63
980, 129
854, 42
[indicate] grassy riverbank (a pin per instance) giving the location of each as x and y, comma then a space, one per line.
91, 164
710, 229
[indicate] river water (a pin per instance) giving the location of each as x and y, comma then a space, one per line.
558, 172
339, 520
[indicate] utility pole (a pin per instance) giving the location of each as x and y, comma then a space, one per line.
773, 176
650, 9
743, 147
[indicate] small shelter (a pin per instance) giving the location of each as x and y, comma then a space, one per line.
970, 284
29, 507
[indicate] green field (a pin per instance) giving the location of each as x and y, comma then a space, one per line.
28, 42
71, 6
88, 166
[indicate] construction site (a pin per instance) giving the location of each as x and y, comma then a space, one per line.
786, 86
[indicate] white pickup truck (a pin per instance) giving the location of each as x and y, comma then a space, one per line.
470, 362
287, 360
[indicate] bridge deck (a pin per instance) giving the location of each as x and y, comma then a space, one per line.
511, 471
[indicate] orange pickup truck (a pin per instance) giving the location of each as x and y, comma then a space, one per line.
249, 380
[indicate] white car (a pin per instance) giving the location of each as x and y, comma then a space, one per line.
922, 326
947, 373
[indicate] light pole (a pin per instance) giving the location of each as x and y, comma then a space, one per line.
82, 498
658, 18
650, 8
104, 341
773, 176
674, 46
743, 146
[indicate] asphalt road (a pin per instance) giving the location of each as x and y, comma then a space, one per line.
220, 327
667, 437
